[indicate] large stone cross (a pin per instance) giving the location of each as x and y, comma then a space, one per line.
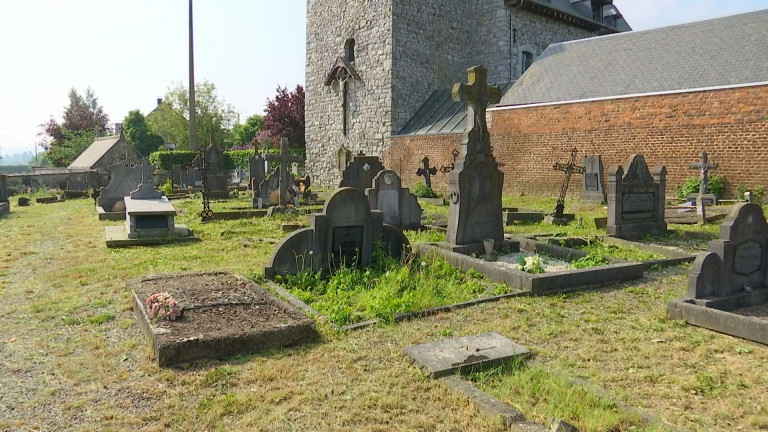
477, 95
704, 165
426, 171
569, 169
284, 158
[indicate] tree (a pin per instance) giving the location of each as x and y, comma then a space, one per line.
284, 116
169, 124
243, 134
214, 116
84, 119
137, 133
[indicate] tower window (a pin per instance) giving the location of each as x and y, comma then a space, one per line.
527, 60
349, 49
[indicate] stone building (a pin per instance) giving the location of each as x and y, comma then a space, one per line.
667, 93
372, 64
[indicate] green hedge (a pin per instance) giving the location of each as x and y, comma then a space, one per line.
232, 159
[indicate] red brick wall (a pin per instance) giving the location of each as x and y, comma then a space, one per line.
671, 130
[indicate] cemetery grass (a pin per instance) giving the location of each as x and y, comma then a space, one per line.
73, 358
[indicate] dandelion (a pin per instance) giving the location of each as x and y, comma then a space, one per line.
423, 263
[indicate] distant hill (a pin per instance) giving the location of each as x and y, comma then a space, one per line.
17, 159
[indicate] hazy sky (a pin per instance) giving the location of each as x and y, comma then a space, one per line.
130, 52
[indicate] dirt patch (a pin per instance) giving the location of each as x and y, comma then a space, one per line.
759, 312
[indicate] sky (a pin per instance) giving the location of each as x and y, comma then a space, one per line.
131, 52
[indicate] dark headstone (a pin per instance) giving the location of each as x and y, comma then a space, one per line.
636, 200
476, 182
124, 177
360, 172
593, 186
257, 169
399, 205
23, 201
217, 177
344, 233
3, 189
286, 190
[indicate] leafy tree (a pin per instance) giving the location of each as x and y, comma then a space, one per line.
243, 134
169, 124
285, 117
214, 118
84, 119
137, 133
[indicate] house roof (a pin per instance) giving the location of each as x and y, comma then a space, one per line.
440, 114
93, 154
578, 12
718, 52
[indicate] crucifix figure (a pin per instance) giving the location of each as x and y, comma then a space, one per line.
342, 77
704, 165
285, 159
427, 172
569, 169
477, 94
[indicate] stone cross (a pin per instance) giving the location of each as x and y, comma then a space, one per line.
477, 95
426, 171
569, 169
284, 158
704, 166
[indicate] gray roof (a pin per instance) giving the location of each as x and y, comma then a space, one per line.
439, 114
582, 11
91, 156
718, 52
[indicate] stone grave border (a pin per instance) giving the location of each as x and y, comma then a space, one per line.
117, 237
169, 355
722, 320
109, 216
250, 213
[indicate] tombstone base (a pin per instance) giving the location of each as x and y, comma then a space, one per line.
592, 198
5, 208
511, 216
565, 220
117, 236
281, 210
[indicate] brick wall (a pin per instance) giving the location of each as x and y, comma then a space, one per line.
671, 130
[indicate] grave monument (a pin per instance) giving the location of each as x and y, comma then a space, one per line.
278, 189
399, 205
593, 184
360, 172
426, 171
5, 205
703, 199
558, 217
636, 200
257, 171
345, 233
124, 177
476, 181
216, 177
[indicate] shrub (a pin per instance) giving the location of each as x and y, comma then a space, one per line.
715, 185
758, 192
166, 187
423, 191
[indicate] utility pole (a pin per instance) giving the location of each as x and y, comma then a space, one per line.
192, 113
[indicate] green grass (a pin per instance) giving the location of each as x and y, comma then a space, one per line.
598, 249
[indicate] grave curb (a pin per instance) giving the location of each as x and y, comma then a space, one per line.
123, 242
721, 321
109, 216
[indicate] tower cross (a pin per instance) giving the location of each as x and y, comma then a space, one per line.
477, 94
569, 169
284, 158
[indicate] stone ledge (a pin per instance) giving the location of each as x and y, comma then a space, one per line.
117, 237
109, 216
729, 323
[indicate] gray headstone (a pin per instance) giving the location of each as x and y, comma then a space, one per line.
256, 166
360, 172
476, 182
344, 233
737, 261
269, 189
636, 200
399, 205
593, 186
145, 191
217, 178
124, 178
3, 189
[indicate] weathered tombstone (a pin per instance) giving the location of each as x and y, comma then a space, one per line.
124, 177
284, 177
593, 185
345, 233
558, 217
636, 200
295, 168
257, 171
703, 199
216, 177
344, 158
426, 171
266, 194
3, 189
360, 172
476, 182
399, 205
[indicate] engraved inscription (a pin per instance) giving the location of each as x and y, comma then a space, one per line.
747, 259
591, 181
638, 203
347, 244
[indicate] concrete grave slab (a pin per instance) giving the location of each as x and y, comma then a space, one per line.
450, 356
223, 315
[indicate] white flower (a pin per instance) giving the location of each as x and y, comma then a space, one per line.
423, 263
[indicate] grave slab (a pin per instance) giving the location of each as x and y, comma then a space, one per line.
449, 356
223, 315
117, 237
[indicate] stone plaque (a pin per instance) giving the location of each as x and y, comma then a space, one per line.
347, 244
151, 222
638, 203
747, 258
591, 181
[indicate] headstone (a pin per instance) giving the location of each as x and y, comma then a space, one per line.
476, 182
703, 198
399, 205
257, 169
284, 177
426, 171
124, 177
295, 168
3, 189
736, 263
345, 233
360, 172
217, 178
148, 213
636, 200
593, 185
344, 158
266, 194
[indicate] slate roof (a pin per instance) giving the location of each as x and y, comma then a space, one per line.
718, 52
91, 156
579, 9
439, 114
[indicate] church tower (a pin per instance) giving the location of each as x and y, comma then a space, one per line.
371, 64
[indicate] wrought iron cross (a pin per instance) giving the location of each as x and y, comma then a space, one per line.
569, 169
704, 165
477, 94
284, 158
426, 171
446, 169
200, 163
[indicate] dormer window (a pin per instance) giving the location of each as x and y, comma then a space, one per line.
527, 60
349, 49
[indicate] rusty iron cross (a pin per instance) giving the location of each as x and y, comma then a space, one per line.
569, 169
426, 171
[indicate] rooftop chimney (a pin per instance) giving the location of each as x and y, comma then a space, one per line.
159, 101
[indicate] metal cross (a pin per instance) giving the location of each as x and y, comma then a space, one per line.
284, 158
446, 169
200, 163
569, 169
704, 165
426, 171
477, 94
